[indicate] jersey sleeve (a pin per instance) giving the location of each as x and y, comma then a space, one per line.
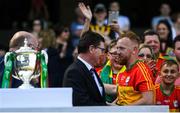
143, 78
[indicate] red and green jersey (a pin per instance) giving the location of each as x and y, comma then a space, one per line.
173, 99
132, 82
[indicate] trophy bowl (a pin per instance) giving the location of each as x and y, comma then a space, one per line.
24, 67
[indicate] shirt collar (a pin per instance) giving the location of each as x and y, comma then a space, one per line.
86, 63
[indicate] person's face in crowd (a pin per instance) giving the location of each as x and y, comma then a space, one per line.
153, 42
163, 31
168, 74
37, 26
2, 52
165, 9
113, 57
100, 16
99, 55
114, 6
65, 34
124, 50
177, 50
145, 54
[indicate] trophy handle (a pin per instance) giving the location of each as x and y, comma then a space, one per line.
35, 76
5, 61
43, 52
16, 76
45, 55
5, 57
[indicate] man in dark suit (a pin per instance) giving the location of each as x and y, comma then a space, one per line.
88, 89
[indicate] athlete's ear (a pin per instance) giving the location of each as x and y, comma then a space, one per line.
135, 50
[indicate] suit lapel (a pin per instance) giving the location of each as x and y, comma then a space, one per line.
90, 78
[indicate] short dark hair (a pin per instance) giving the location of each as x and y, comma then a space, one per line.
177, 39
170, 63
149, 32
58, 29
87, 39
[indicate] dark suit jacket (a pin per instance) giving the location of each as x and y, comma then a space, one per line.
85, 90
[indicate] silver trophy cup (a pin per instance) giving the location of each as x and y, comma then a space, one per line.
25, 65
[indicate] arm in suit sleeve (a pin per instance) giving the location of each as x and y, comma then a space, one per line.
81, 93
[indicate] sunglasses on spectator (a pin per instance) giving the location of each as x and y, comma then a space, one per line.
143, 55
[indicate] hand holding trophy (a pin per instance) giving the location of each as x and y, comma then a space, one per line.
25, 64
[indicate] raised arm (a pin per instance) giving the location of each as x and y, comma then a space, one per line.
116, 28
88, 14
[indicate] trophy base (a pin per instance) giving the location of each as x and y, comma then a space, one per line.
26, 86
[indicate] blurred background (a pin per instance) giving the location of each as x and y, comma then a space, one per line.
19, 14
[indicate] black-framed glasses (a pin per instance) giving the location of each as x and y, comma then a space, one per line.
102, 49
143, 55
